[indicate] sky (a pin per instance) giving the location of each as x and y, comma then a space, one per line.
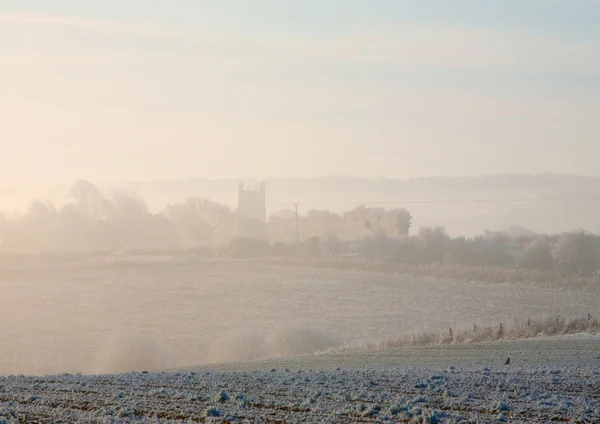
122, 90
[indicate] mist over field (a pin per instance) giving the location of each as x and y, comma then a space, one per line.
104, 318
102, 283
291, 211
544, 203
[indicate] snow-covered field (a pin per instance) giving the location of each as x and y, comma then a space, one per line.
152, 316
552, 380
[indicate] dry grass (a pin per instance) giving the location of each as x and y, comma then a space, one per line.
549, 326
490, 274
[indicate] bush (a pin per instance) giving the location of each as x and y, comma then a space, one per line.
480, 251
538, 255
576, 253
492, 252
376, 247
405, 250
433, 244
243, 247
284, 250
332, 245
314, 247
462, 251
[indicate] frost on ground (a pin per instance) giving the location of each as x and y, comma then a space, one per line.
540, 394
117, 318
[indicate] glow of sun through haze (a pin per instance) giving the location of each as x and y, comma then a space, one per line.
130, 89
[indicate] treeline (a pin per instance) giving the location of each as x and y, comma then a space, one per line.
93, 222
568, 253
431, 249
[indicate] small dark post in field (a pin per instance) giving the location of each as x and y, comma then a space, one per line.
474, 328
450, 332
500, 330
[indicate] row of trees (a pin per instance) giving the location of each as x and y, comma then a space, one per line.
565, 254
91, 221
88, 221
568, 253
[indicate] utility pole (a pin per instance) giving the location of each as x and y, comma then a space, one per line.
297, 224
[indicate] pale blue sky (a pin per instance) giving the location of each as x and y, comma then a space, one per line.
122, 90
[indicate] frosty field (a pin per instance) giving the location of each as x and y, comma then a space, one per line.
102, 318
242, 342
549, 380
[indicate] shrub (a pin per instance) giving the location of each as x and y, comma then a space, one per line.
314, 247
376, 247
433, 243
480, 251
492, 252
243, 247
462, 251
538, 255
283, 250
576, 253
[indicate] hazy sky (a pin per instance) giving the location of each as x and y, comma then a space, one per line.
144, 89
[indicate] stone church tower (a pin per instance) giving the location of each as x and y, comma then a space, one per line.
252, 201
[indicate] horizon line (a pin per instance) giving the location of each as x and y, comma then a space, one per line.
305, 178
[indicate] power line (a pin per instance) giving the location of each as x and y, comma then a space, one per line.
295, 204
452, 201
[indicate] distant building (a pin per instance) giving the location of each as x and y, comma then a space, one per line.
252, 201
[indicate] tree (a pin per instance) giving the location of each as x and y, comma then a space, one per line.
402, 220
538, 255
318, 223
89, 201
363, 221
462, 251
161, 233
577, 253
405, 249
126, 206
357, 223
492, 250
202, 221
126, 225
433, 243
378, 246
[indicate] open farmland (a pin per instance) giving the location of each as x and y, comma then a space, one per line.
550, 380
121, 317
